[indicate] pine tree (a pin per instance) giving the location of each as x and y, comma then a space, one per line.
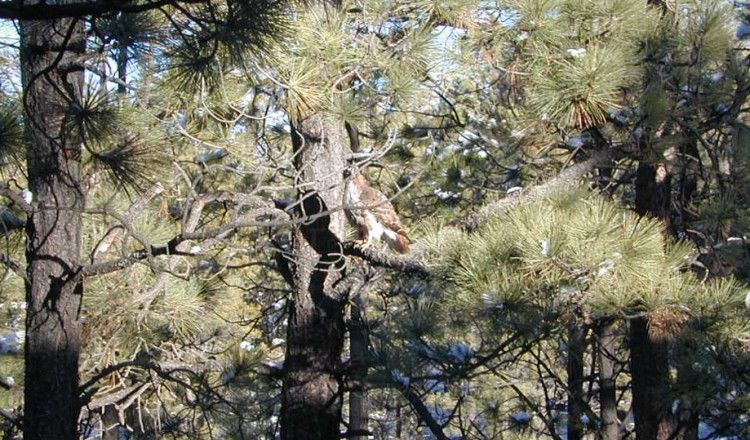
67, 125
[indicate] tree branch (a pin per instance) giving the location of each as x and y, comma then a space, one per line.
115, 232
423, 413
567, 177
262, 208
16, 198
14, 10
410, 263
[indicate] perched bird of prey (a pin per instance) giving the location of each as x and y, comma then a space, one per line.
373, 215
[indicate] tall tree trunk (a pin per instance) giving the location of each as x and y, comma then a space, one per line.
51, 84
122, 64
649, 359
360, 358
649, 367
312, 391
574, 362
610, 429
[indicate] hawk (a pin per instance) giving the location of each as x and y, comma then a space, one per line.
370, 212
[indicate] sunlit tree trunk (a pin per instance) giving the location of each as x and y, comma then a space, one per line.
52, 82
312, 388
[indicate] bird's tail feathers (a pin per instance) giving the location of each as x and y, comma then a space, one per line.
397, 242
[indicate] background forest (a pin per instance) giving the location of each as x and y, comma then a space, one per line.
176, 260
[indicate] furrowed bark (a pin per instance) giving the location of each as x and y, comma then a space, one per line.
53, 289
312, 386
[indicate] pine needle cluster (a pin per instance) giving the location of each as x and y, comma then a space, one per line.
572, 251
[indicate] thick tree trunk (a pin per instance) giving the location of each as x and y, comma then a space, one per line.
649, 359
574, 362
51, 83
649, 367
610, 424
312, 391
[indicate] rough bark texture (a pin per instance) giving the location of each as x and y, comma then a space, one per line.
312, 392
51, 84
610, 424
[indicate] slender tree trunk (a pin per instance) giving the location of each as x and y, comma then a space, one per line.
312, 392
122, 64
360, 358
610, 429
574, 362
53, 292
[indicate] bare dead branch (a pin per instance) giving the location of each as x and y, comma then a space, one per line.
117, 397
568, 177
411, 263
16, 198
101, 248
16, 421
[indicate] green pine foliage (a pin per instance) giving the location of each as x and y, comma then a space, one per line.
573, 257
583, 252
458, 104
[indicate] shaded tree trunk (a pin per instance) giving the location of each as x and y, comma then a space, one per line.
359, 353
610, 429
574, 366
51, 82
649, 367
649, 359
312, 389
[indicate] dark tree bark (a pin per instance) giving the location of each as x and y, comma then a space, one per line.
574, 366
649, 359
53, 291
360, 357
649, 367
312, 389
610, 424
